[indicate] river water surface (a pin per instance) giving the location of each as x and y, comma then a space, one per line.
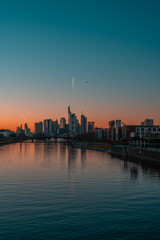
54, 191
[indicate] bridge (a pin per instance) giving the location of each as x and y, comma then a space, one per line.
48, 138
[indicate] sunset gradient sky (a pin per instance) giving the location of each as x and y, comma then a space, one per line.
111, 48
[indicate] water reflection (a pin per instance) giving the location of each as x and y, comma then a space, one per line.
50, 152
71, 158
134, 171
63, 154
20, 149
83, 158
148, 167
38, 151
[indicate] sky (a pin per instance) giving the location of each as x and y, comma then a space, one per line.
111, 48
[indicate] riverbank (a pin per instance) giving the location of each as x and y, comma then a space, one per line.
136, 152
10, 141
151, 154
91, 146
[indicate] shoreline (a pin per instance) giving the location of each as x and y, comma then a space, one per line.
152, 154
144, 154
91, 146
2, 143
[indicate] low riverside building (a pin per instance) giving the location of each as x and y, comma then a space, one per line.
140, 131
127, 130
118, 133
114, 132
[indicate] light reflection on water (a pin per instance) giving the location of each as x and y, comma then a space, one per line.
54, 191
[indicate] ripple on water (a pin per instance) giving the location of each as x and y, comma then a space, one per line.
57, 192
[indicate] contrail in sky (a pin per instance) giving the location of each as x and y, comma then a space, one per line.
73, 83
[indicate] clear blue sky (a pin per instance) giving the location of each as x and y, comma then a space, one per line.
112, 48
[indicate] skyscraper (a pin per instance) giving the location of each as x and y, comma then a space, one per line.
62, 123
118, 123
91, 126
38, 128
25, 126
69, 115
55, 127
83, 124
72, 121
48, 127
112, 124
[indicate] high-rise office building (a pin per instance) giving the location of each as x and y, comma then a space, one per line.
77, 126
48, 127
20, 130
83, 124
118, 123
25, 126
72, 121
27, 130
55, 127
91, 127
62, 123
38, 128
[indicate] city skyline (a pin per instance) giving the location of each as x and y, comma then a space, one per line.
79, 118
82, 128
101, 57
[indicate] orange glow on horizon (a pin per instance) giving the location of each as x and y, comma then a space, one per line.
13, 125
12, 117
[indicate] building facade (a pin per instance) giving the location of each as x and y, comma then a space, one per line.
48, 127
83, 124
62, 123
